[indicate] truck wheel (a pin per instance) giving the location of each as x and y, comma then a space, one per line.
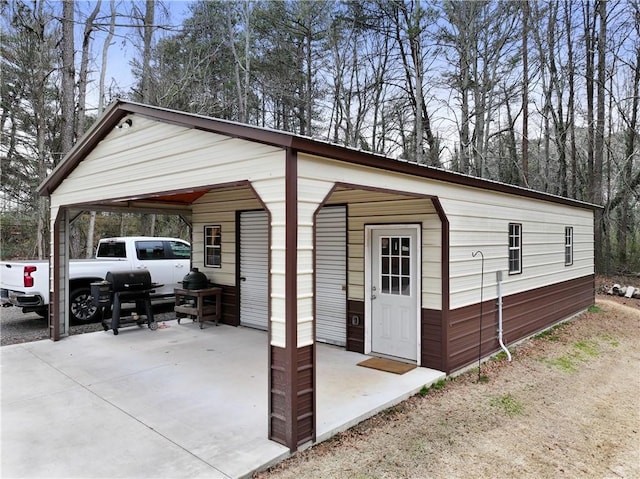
43, 313
81, 306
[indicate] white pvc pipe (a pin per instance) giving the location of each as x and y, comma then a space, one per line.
500, 330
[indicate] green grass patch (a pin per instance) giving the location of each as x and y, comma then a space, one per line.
582, 351
594, 309
437, 386
501, 356
588, 348
564, 363
508, 404
610, 340
550, 334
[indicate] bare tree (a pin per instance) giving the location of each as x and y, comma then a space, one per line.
598, 159
242, 62
89, 28
409, 20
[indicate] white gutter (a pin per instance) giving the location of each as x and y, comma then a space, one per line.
500, 329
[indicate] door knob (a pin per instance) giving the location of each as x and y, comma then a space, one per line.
242, 278
373, 296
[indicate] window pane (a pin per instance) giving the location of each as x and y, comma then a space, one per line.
212, 250
385, 265
515, 251
395, 265
406, 289
112, 250
395, 285
385, 284
405, 266
384, 245
395, 245
406, 243
150, 250
180, 250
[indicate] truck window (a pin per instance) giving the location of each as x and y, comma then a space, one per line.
150, 250
179, 249
111, 249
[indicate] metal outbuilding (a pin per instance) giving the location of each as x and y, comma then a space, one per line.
317, 242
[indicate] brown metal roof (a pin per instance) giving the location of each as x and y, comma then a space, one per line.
119, 109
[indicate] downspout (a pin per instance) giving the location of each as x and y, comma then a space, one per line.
500, 329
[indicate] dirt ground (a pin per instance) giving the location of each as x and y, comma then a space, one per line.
568, 405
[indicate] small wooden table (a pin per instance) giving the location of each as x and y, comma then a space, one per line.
199, 304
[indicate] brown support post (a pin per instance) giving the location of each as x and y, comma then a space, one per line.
54, 279
291, 372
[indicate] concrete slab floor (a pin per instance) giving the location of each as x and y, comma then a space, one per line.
178, 402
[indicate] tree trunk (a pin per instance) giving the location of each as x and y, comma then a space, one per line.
525, 93
147, 38
68, 77
89, 27
626, 189
573, 185
598, 159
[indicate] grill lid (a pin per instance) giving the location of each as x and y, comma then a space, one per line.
129, 280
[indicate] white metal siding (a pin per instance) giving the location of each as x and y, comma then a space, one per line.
370, 207
331, 257
254, 268
483, 225
152, 156
478, 219
219, 207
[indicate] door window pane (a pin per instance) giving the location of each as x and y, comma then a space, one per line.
385, 284
395, 265
384, 245
395, 285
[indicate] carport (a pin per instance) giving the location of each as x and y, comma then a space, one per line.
177, 402
393, 262
210, 172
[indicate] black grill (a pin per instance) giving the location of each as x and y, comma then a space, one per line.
125, 287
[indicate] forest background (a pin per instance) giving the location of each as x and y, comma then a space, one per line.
540, 94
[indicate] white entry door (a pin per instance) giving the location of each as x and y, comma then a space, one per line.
394, 291
331, 275
254, 269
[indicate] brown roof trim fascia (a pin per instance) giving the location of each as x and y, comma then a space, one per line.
428, 172
119, 109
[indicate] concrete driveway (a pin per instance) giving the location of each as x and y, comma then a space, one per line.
178, 402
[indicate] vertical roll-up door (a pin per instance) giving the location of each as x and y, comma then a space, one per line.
331, 271
254, 269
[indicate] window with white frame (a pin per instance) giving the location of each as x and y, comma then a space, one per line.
568, 245
515, 248
212, 246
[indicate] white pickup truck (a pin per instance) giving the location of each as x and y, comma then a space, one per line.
26, 283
